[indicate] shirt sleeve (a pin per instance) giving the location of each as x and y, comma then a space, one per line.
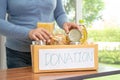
8, 29
59, 14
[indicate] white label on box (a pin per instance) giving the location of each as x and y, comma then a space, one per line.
66, 58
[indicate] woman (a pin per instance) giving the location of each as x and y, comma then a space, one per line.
20, 26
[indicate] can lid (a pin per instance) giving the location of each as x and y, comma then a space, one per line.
74, 35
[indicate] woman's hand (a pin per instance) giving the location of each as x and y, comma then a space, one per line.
67, 26
40, 34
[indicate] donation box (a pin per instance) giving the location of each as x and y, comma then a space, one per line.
57, 58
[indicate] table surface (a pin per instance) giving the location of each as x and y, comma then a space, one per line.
27, 74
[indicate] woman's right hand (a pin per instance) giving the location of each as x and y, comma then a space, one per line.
40, 34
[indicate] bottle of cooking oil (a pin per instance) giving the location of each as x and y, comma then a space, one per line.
83, 40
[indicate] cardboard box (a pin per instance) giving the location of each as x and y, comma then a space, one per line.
57, 58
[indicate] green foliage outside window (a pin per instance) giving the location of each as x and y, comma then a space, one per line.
91, 9
105, 35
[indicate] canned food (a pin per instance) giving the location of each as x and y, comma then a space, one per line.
74, 35
74, 43
40, 42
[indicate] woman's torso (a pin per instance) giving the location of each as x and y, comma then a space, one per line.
27, 13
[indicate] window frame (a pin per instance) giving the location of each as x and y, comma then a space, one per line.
78, 12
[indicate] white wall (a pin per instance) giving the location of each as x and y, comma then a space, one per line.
2, 53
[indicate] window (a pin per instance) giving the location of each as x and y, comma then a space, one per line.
103, 24
69, 6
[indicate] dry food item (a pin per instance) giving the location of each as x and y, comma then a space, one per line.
48, 26
74, 35
59, 39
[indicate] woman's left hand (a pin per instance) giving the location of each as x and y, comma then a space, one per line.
67, 26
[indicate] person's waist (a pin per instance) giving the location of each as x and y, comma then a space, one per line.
18, 45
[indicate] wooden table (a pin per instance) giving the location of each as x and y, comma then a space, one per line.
27, 74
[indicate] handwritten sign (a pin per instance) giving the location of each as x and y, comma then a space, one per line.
66, 58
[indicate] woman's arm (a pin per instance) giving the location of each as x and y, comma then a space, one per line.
62, 19
8, 29
59, 14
